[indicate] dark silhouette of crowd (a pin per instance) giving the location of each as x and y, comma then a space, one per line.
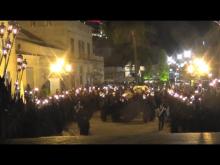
49, 115
201, 115
124, 104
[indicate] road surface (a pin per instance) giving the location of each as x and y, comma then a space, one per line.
135, 132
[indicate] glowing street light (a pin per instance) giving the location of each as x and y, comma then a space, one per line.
187, 54
68, 68
36, 89
7, 41
60, 67
2, 29
60, 61
56, 68
170, 60
202, 66
199, 67
182, 65
179, 56
190, 69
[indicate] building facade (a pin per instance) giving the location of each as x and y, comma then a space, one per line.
39, 55
71, 40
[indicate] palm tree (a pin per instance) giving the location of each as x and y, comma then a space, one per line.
134, 34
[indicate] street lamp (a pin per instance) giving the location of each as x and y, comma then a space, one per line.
187, 53
190, 69
68, 68
8, 44
210, 75
170, 60
199, 67
60, 66
202, 66
2, 29
21, 64
23, 67
179, 56
58, 69
7, 35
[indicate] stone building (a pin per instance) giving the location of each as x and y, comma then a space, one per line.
39, 55
44, 41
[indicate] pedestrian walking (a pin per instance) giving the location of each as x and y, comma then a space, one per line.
162, 115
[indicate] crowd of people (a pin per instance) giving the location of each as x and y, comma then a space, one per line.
194, 108
49, 115
190, 110
121, 102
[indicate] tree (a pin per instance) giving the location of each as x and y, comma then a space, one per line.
148, 69
131, 40
163, 68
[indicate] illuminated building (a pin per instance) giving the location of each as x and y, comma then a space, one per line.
97, 28
73, 41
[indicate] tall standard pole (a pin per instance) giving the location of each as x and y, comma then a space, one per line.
135, 55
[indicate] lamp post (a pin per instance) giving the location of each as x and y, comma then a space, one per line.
21, 66
199, 68
57, 70
7, 35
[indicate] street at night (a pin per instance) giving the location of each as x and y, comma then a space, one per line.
103, 133
109, 82
133, 133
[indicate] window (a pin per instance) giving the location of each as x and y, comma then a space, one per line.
88, 49
72, 45
81, 74
79, 44
83, 48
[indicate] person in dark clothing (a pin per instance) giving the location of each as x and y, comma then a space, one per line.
27, 96
105, 109
162, 116
197, 103
115, 111
82, 118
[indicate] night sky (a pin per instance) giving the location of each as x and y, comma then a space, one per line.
173, 36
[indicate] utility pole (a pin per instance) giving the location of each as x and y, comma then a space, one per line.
135, 55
